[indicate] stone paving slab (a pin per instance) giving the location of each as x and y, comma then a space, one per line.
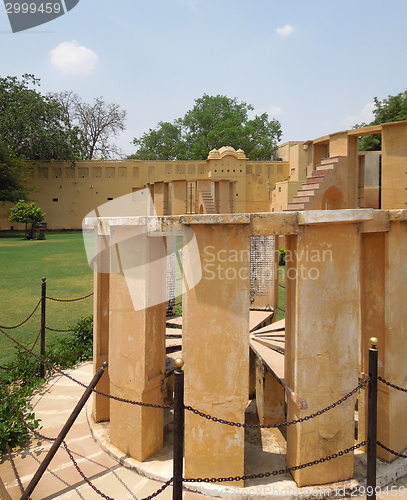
118, 482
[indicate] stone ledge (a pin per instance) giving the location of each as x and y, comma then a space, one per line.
159, 467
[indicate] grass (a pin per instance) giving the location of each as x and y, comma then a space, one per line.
62, 260
281, 293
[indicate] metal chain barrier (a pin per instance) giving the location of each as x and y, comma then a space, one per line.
20, 416
25, 359
61, 372
394, 386
100, 493
69, 300
129, 401
286, 423
275, 472
68, 330
23, 322
390, 450
13, 466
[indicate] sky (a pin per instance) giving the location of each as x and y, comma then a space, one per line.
314, 65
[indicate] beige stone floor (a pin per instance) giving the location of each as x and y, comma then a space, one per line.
54, 404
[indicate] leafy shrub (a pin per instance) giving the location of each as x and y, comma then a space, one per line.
281, 259
20, 382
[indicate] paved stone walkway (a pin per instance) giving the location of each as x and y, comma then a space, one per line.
53, 404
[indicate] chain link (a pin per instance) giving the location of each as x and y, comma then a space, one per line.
69, 330
286, 423
275, 472
390, 450
13, 466
391, 385
100, 493
20, 416
69, 300
23, 322
160, 490
30, 353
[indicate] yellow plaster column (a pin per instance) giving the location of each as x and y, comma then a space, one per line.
269, 396
372, 298
159, 198
394, 176
216, 351
101, 283
179, 197
224, 201
137, 340
384, 313
392, 404
322, 327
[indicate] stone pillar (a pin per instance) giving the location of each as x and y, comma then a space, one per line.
179, 197
137, 340
216, 351
384, 313
269, 396
224, 201
394, 153
392, 404
101, 404
159, 198
322, 329
372, 290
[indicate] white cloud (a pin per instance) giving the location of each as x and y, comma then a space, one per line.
272, 111
365, 116
285, 31
275, 111
72, 58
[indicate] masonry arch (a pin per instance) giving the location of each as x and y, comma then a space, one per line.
333, 199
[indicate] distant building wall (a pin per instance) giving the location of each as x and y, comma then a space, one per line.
67, 194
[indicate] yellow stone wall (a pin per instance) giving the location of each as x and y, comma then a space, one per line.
67, 194
394, 165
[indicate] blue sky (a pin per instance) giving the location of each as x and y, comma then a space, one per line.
315, 65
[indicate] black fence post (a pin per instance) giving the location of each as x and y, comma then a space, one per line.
43, 303
179, 421
64, 431
372, 421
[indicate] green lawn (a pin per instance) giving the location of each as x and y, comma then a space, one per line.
281, 293
62, 260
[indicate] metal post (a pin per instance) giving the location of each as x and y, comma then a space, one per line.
43, 303
3, 492
64, 431
372, 421
179, 419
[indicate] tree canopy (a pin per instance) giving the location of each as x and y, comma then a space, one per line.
49, 127
26, 213
213, 122
392, 109
34, 125
97, 122
13, 174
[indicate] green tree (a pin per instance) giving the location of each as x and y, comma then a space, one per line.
34, 125
392, 109
213, 122
163, 143
27, 213
97, 122
13, 174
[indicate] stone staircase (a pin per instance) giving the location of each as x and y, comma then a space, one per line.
307, 196
207, 202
